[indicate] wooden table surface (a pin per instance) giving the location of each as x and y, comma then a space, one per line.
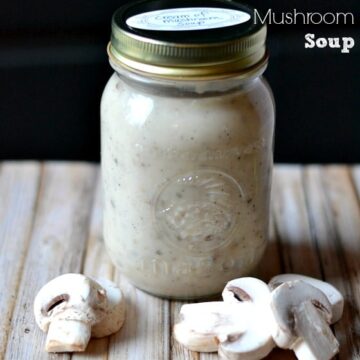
50, 224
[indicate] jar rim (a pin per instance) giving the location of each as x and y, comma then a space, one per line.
223, 51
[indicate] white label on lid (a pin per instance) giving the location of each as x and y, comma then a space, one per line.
184, 19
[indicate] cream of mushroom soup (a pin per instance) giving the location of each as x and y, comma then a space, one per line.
186, 155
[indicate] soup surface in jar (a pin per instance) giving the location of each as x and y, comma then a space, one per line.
187, 184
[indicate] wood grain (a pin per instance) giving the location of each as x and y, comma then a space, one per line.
344, 206
19, 185
298, 249
96, 264
51, 223
56, 247
325, 233
355, 173
146, 332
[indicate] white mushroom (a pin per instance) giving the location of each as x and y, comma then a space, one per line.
115, 311
239, 327
303, 313
71, 305
203, 325
334, 296
256, 342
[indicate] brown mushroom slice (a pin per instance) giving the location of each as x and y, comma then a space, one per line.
253, 295
69, 306
203, 325
303, 313
334, 296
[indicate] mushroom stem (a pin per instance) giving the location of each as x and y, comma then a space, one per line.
316, 340
67, 336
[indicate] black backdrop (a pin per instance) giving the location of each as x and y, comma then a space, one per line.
53, 67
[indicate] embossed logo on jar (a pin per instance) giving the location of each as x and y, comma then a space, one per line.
198, 210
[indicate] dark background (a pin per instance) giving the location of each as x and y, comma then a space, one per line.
53, 68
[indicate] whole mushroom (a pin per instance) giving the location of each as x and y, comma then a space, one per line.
72, 307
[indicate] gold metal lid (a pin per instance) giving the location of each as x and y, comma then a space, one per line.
226, 42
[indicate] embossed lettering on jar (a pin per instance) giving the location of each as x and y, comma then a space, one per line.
187, 125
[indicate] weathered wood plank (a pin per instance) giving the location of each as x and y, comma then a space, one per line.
57, 246
146, 332
316, 232
291, 220
97, 264
209, 356
19, 185
344, 205
298, 249
355, 171
325, 233
271, 263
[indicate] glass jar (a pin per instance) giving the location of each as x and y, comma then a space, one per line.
187, 139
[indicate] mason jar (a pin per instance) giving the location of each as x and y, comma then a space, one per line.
187, 124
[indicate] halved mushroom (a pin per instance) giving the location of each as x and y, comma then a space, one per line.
334, 296
239, 327
256, 342
303, 314
203, 325
69, 306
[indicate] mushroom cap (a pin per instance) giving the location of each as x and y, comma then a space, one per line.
256, 342
287, 297
246, 289
334, 296
70, 297
114, 313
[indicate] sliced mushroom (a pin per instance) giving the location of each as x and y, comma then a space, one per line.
69, 306
203, 325
303, 314
256, 342
334, 296
320, 343
239, 327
